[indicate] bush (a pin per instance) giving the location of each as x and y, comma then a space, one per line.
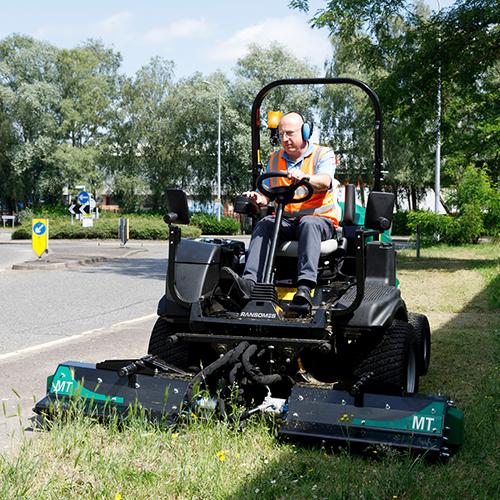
400, 224
26, 215
21, 233
477, 200
437, 228
141, 228
210, 225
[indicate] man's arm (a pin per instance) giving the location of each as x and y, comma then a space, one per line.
321, 182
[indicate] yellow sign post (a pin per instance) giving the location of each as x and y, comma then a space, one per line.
40, 236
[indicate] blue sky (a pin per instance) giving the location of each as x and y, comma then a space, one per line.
197, 35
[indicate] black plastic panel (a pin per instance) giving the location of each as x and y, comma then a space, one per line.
379, 211
381, 262
378, 308
197, 252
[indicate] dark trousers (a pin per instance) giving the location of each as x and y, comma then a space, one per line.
309, 230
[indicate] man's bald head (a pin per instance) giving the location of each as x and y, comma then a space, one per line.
290, 131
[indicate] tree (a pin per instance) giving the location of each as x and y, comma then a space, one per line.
89, 81
141, 141
29, 98
406, 53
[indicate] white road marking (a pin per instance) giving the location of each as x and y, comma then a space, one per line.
52, 343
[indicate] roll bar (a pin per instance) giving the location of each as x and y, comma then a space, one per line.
257, 167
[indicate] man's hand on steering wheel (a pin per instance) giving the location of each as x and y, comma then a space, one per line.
259, 198
296, 175
284, 193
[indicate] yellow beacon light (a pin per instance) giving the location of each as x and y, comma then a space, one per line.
273, 118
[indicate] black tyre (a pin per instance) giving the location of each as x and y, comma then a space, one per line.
177, 354
393, 361
422, 330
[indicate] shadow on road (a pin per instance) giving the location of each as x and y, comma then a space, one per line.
138, 268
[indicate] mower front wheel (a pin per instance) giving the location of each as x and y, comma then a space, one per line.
173, 353
422, 329
392, 362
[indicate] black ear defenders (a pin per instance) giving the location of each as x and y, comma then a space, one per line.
307, 127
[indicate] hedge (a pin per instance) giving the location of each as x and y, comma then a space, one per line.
210, 225
141, 228
438, 228
400, 224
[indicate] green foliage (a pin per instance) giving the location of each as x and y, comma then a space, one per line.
438, 228
210, 225
141, 228
400, 224
129, 191
22, 233
476, 199
26, 216
68, 116
405, 53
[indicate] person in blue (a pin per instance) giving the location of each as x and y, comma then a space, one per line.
309, 222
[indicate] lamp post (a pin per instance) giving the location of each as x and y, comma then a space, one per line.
437, 172
218, 200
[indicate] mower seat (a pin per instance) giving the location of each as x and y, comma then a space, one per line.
289, 248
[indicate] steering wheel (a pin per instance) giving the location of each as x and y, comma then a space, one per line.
284, 194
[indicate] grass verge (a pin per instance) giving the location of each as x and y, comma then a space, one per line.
454, 286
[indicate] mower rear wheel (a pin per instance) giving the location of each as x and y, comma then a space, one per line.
393, 361
177, 353
422, 330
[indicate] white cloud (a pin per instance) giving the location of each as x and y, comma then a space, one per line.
184, 28
116, 24
291, 31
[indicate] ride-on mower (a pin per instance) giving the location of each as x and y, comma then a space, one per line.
345, 368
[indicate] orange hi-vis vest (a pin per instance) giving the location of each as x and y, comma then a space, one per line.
322, 204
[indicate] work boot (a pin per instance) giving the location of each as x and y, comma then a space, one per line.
303, 296
243, 285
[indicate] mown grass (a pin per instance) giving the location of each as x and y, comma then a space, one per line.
82, 458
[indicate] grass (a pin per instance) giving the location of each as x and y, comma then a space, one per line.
454, 286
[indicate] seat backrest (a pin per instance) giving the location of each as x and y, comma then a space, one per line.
349, 205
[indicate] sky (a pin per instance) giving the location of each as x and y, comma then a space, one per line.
197, 35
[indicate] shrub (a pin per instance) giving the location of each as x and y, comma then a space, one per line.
400, 224
141, 228
477, 200
437, 228
26, 215
210, 225
471, 222
21, 233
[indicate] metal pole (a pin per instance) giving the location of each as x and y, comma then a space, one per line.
437, 179
218, 162
417, 241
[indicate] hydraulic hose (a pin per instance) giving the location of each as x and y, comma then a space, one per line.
254, 371
230, 357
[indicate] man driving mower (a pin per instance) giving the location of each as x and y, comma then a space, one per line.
309, 222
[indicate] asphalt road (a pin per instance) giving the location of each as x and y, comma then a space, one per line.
23, 376
42, 306
85, 313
